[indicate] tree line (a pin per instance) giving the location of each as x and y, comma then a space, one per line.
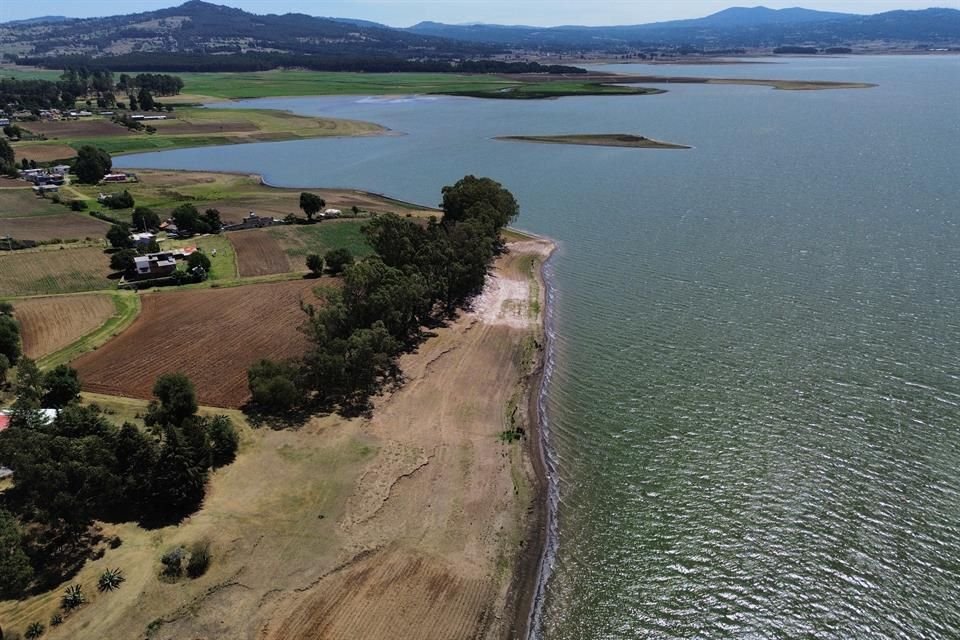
265, 61
79, 468
420, 275
81, 80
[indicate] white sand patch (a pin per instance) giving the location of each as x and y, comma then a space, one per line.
504, 302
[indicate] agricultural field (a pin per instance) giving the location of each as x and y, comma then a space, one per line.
66, 226
284, 249
43, 151
211, 335
51, 270
259, 253
186, 127
17, 200
51, 323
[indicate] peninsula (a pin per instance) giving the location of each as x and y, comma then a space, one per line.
599, 140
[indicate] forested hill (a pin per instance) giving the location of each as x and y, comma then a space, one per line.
734, 27
202, 27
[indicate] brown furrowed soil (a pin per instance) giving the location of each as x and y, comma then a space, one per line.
67, 226
211, 335
51, 270
259, 253
50, 324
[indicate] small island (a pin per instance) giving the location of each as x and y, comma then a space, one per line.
600, 140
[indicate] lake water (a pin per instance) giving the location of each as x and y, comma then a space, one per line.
755, 401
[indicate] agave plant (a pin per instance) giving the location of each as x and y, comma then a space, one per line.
72, 597
110, 579
35, 630
56, 620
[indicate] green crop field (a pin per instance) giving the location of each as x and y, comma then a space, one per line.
314, 83
302, 240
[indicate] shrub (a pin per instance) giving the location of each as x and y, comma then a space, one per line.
315, 264
56, 620
172, 562
35, 630
110, 580
72, 597
78, 205
199, 559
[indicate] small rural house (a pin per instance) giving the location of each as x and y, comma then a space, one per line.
155, 264
253, 221
142, 239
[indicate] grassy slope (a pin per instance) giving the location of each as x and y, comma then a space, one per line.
302, 240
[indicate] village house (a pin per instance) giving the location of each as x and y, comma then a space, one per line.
142, 239
155, 265
253, 221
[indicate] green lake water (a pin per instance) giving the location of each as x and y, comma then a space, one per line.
754, 401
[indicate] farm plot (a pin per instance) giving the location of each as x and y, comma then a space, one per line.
48, 271
259, 253
44, 152
66, 226
19, 201
211, 335
50, 324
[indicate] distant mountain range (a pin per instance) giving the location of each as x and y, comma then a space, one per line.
202, 28
734, 27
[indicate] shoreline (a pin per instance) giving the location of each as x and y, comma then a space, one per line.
529, 574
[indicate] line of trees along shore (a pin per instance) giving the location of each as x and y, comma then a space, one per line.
420, 275
265, 61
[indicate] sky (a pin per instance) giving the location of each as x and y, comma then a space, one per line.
403, 13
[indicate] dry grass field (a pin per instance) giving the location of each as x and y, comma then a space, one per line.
43, 152
211, 335
17, 200
65, 226
51, 270
51, 323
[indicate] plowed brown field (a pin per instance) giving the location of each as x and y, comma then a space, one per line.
422, 597
211, 335
50, 324
259, 253
68, 226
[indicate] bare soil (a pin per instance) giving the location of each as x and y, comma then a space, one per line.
259, 253
52, 323
211, 335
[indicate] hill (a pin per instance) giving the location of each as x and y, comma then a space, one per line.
202, 27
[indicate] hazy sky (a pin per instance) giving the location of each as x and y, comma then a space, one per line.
407, 12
